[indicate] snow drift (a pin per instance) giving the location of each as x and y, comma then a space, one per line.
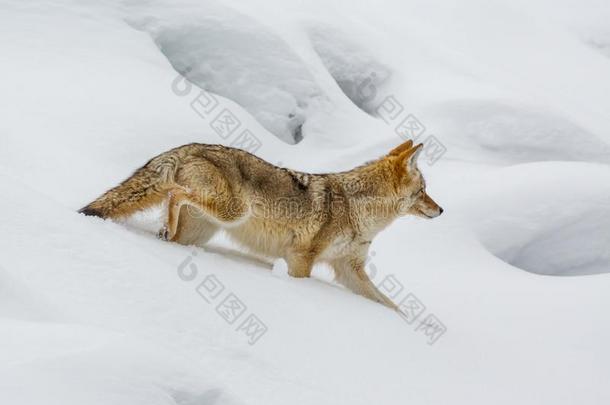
96, 312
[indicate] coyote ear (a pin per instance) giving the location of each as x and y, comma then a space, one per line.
401, 148
409, 157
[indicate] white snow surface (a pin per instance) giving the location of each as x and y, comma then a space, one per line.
516, 269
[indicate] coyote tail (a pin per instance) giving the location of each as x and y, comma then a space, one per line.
145, 188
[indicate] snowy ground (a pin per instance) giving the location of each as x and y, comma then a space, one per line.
515, 270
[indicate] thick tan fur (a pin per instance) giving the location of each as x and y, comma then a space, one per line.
301, 217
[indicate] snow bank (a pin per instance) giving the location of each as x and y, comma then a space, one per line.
507, 133
232, 55
547, 218
357, 72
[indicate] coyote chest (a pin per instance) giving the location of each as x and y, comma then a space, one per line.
260, 236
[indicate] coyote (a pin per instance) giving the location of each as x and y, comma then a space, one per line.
300, 217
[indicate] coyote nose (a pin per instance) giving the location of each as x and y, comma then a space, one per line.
441, 210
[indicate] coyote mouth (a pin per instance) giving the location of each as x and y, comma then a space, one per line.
423, 214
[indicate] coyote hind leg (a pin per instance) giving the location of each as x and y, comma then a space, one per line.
219, 208
176, 198
193, 228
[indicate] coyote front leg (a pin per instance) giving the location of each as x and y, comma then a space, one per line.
300, 265
349, 271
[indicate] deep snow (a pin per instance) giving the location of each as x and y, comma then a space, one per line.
102, 313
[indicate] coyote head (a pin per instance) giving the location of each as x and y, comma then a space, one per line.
410, 184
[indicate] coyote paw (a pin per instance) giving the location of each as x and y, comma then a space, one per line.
163, 233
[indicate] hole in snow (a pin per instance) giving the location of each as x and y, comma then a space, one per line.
547, 218
568, 247
359, 75
231, 55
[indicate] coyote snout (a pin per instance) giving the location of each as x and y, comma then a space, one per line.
425, 207
306, 218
